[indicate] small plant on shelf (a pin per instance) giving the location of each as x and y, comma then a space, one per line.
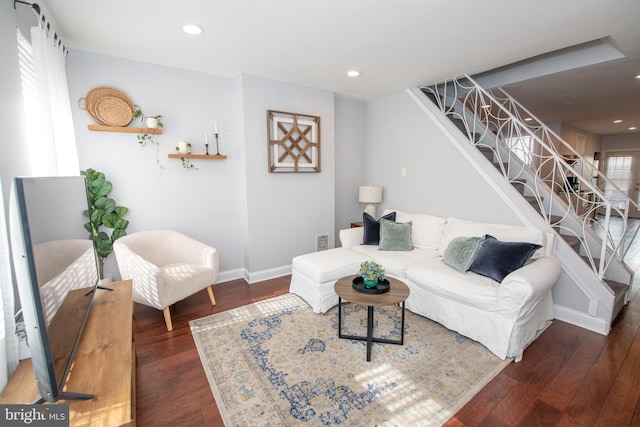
371, 273
184, 147
148, 122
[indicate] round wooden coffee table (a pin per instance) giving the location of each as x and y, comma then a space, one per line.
398, 293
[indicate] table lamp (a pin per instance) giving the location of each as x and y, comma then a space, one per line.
370, 195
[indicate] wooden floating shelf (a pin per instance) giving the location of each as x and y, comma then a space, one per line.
124, 129
198, 156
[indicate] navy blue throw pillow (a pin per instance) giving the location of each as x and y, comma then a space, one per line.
372, 228
496, 259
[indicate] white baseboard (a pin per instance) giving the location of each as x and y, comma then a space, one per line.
229, 275
272, 273
253, 277
583, 320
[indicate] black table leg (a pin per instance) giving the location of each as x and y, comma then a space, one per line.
369, 331
339, 317
370, 339
402, 326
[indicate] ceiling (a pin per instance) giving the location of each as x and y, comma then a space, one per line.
395, 45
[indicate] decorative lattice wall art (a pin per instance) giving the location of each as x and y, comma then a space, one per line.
293, 142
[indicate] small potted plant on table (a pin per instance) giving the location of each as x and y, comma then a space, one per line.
371, 273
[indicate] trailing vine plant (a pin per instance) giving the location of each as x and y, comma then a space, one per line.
149, 122
186, 163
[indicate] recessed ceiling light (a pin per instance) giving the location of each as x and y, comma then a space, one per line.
193, 29
485, 106
353, 73
528, 119
638, 76
633, 128
617, 121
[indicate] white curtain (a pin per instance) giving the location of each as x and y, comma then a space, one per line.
58, 143
8, 338
55, 153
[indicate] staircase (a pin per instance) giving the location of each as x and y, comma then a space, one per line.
558, 188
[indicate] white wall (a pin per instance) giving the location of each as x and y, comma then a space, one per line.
621, 142
592, 141
438, 179
257, 220
350, 151
203, 203
285, 211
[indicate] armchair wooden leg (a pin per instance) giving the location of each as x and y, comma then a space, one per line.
211, 297
167, 319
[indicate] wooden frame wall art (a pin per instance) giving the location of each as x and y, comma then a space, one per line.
293, 142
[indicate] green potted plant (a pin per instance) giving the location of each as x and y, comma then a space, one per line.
148, 122
184, 147
105, 215
371, 273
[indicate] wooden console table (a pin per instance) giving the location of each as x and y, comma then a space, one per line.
104, 365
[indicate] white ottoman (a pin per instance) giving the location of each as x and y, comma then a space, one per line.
313, 275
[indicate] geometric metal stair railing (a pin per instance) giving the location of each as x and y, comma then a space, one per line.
563, 187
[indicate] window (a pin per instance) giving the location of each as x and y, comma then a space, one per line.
48, 119
522, 147
619, 169
31, 104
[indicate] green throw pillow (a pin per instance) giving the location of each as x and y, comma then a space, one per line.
461, 252
395, 236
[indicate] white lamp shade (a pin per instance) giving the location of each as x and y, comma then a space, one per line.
370, 194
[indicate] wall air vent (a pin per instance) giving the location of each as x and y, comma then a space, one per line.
322, 242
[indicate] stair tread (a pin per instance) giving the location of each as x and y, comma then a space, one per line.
573, 241
617, 287
555, 219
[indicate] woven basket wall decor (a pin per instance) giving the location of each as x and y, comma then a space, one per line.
108, 106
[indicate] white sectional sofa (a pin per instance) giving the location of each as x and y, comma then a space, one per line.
504, 316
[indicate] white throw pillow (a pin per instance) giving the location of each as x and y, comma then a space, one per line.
426, 230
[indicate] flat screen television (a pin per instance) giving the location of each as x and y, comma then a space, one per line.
56, 274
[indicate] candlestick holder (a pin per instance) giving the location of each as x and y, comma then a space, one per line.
217, 147
206, 147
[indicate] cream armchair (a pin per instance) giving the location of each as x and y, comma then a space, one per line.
166, 266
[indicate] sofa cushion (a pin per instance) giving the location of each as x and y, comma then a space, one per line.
395, 263
395, 236
426, 230
468, 288
372, 227
456, 227
497, 259
329, 265
461, 252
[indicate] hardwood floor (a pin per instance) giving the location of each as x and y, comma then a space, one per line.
171, 386
568, 377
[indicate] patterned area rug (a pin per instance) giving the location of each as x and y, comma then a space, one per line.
276, 363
